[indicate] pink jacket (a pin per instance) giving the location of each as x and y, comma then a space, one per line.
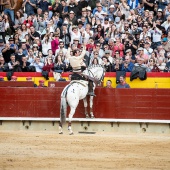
54, 45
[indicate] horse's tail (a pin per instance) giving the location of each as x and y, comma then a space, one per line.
63, 110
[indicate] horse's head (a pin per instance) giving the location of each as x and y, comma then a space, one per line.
95, 71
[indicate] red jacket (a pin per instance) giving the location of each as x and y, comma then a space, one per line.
54, 45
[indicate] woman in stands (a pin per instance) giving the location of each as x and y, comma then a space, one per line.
59, 65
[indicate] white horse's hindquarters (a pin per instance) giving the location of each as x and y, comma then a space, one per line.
75, 93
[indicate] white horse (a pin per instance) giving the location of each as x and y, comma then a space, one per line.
75, 91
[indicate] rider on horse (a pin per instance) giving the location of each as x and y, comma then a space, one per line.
76, 61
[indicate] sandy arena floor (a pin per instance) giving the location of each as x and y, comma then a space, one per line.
49, 150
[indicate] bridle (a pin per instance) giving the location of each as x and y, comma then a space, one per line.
103, 73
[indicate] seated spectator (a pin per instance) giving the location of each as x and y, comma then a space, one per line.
108, 84
24, 64
3, 65
117, 66
122, 83
37, 64
59, 65
151, 66
49, 65
14, 65
142, 55
106, 63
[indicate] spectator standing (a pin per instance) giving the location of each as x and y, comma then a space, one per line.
9, 6
29, 6
2, 28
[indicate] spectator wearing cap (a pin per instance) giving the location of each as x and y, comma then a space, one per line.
37, 64
127, 66
159, 16
29, 6
72, 18
2, 28
89, 14
111, 12
76, 42
12, 44
99, 13
14, 78
96, 7
3, 65
166, 44
1, 77
41, 83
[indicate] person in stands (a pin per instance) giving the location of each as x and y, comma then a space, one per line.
122, 83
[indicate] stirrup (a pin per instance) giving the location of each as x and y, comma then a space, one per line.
91, 94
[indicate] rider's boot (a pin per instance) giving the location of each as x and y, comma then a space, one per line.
91, 91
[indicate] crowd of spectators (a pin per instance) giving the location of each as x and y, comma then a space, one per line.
117, 34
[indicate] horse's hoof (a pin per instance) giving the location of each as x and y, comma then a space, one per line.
60, 133
87, 116
92, 117
71, 133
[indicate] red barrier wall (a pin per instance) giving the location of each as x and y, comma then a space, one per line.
109, 103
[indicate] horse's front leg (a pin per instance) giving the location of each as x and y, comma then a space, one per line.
60, 128
91, 107
85, 107
72, 111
